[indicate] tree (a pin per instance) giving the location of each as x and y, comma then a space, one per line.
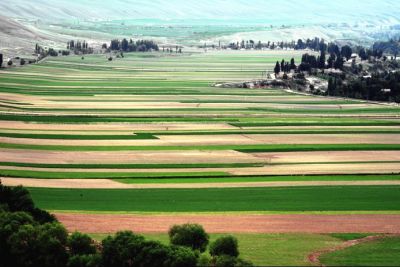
93, 260
331, 61
80, 244
277, 68
1, 60
119, 249
10, 222
181, 257
189, 235
124, 45
363, 54
226, 245
292, 64
322, 60
10, 63
346, 52
39, 245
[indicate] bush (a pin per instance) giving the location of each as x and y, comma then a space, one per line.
9, 224
224, 261
80, 244
85, 261
204, 260
229, 261
226, 245
189, 235
181, 257
39, 245
120, 249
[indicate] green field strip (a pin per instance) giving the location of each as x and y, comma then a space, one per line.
104, 175
260, 178
288, 131
234, 121
328, 111
239, 148
136, 136
301, 199
134, 166
311, 123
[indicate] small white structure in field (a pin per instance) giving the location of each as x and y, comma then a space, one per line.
386, 90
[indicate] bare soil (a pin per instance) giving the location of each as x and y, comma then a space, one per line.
107, 223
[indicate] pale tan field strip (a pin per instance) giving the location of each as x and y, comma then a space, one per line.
291, 223
290, 169
110, 184
304, 169
239, 139
127, 157
160, 126
192, 156
328, 156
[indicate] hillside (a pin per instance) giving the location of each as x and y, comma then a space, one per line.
303, 11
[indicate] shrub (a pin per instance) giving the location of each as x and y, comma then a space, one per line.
181, 257
189, 235
120, 249
226, 245
204, 260
229, 261
224, 261
39, 245
80, 244
84, 261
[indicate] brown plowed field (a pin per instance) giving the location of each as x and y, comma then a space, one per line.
107, 223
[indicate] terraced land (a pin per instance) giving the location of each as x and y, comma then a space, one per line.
149, 135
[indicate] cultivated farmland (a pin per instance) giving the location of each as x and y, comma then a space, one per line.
150, 134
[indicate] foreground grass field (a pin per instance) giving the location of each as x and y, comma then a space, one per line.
270, 249
299, 199
382, 252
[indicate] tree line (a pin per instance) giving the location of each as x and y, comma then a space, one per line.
31, 237
131, 46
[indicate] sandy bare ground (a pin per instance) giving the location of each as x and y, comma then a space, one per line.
125, 157
329, 156
104, 223
304, 169
110, 184
250, 139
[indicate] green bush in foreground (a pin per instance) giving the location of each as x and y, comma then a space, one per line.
189, 235
226, 245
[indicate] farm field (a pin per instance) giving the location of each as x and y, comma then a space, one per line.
149, 135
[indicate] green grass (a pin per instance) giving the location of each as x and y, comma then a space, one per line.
138, 136
384, 252
267, 249
290, 199
244, 179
